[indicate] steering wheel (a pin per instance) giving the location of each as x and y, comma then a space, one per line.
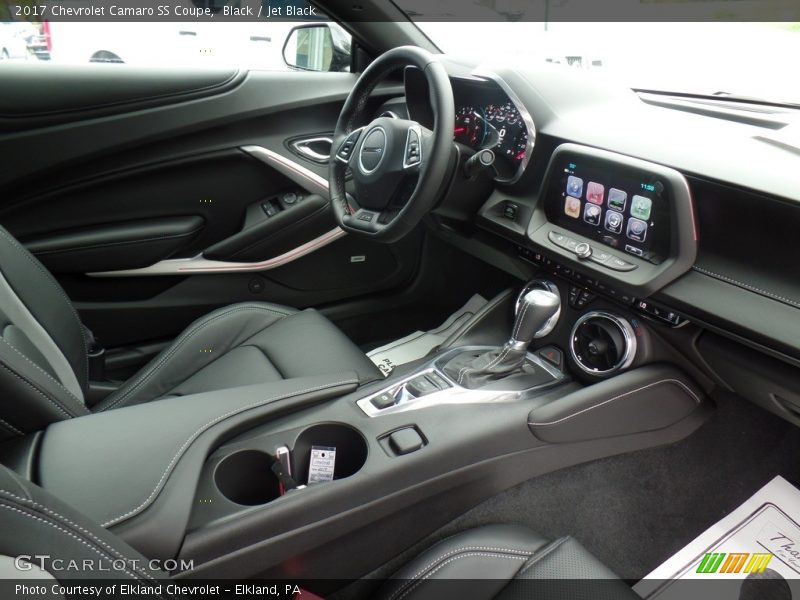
398, 166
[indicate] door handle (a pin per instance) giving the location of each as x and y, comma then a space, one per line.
317, 149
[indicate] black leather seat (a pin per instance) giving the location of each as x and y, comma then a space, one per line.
506, 562
43, 350
499, 561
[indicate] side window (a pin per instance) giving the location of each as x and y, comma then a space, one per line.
317, 45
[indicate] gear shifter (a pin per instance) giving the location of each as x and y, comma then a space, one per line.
537, 311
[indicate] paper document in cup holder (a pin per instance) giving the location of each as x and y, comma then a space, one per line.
322, 464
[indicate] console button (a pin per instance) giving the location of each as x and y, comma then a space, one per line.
439, 381
559, 239
583, 250
619, 264
600, 256
421, 386
553, 355
382, 401
405, 441
579, 297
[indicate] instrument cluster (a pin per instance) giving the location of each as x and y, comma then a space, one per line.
496, 125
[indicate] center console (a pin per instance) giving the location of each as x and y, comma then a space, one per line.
309, 477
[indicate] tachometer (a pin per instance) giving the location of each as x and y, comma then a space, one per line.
470, 127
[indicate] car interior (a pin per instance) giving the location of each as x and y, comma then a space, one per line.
424, 319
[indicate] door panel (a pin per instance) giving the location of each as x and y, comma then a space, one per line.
177, 179
114, 245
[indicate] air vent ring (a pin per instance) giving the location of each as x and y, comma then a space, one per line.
602, 343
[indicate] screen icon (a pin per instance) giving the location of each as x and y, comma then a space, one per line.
617, 199
614, 221
595, 192
572, 207
640, 207
574, 186
591, 214
637, 229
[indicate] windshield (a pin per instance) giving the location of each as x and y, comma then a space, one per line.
757, 60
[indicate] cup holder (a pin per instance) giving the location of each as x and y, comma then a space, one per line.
246, 477
351, 449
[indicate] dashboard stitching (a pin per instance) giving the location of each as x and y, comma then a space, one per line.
747, 286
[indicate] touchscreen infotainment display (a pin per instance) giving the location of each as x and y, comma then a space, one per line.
616, 205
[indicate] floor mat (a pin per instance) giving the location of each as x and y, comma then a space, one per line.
418, 344
755, 545
635, 510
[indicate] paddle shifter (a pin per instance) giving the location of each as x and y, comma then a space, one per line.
537, 311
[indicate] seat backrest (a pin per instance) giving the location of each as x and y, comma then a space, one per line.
43, 354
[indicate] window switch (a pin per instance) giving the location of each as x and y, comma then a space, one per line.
405, 441
270, 209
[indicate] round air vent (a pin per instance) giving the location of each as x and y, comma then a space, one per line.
602, 343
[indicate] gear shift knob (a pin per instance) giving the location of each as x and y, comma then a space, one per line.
537, 311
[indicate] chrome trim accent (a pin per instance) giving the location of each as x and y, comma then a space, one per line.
530, 126
549, 286
516, 345
302, 176
301, 147
418, 130
455, 394
198, 264
627, 333
361, 166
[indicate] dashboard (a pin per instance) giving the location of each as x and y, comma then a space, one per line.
697, 204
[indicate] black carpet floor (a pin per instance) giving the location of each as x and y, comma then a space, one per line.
633, 511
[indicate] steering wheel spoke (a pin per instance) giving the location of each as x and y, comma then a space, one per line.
397, 165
